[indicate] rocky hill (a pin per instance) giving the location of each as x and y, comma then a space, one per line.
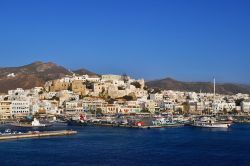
31, 75
171, 84
37, 73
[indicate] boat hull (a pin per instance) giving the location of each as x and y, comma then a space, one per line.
30, 126
76, 123
212, 125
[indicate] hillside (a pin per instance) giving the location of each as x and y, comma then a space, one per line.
31, 75
37, 73
171, 84
84, 71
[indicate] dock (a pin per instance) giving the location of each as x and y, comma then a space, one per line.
37, 134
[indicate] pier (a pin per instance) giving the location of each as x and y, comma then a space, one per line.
37, 134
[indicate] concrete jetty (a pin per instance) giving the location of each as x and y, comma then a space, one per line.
37, 134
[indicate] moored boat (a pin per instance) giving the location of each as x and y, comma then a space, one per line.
34, 123
163, 122
80, 121
76, 123
210, 123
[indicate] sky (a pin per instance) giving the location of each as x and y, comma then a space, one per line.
192, 40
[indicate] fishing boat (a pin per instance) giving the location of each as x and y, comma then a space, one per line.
9, 132
163, 122
181, 119
76, 123
107, 120
80, 121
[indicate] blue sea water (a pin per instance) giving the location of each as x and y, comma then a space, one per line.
121, 146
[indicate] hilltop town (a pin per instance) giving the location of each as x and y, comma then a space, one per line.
76, 94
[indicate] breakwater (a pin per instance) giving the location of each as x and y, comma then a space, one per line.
37, 134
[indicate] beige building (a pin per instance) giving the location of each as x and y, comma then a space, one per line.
110, 108
73, 108
79, 87
57, 85
5, 109
151, 106
99, 88
112, 77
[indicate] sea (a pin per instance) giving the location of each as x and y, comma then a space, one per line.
113, 146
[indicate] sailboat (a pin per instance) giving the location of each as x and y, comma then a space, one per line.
209, 122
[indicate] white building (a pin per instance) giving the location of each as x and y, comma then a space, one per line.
73, 108
20, 108
230, 106
36, 90
166, 105
50, 95
245, 106
16, 91
48, 106
93, 79
221, 106
11, 75
156, 96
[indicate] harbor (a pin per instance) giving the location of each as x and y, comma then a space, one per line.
124, 146
155, 121
133, 121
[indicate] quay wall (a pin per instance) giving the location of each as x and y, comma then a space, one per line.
38, 134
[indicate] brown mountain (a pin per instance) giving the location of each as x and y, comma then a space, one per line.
35, 74
171, 84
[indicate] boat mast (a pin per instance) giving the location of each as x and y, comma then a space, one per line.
214, 88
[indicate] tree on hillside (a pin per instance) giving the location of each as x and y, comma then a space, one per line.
110, 100
238, 101
128, 98
145, 110
185, 107
179, 110
121, 88
155, 90
55, 98
145, 88
234, 111
136, 84
89, 85
224, 111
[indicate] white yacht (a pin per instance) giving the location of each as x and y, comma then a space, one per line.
210, 123
36, 123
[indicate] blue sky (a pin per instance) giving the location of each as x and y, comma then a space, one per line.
187, 40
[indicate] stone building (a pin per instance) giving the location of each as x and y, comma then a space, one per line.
57, 85
78, 87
